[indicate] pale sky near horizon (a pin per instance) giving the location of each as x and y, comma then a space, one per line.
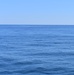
37, 12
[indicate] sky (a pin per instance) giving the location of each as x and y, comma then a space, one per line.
47, 12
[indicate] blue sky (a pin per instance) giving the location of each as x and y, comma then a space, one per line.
37, 12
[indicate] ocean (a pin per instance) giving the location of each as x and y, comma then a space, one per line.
36, 50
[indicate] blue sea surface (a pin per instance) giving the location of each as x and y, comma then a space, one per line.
36, 50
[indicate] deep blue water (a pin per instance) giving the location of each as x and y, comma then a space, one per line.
36, 50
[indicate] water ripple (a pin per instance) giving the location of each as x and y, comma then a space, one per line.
52, 54
40, 70
21, 63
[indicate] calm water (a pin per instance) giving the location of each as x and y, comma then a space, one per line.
36, 50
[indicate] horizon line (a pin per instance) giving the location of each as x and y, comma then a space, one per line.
36, 24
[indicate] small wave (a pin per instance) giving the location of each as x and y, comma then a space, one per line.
40, 70
21, 63
7, 47
53, 54
38, 45
6, 59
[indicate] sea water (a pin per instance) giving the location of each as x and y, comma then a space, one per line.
36, 50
